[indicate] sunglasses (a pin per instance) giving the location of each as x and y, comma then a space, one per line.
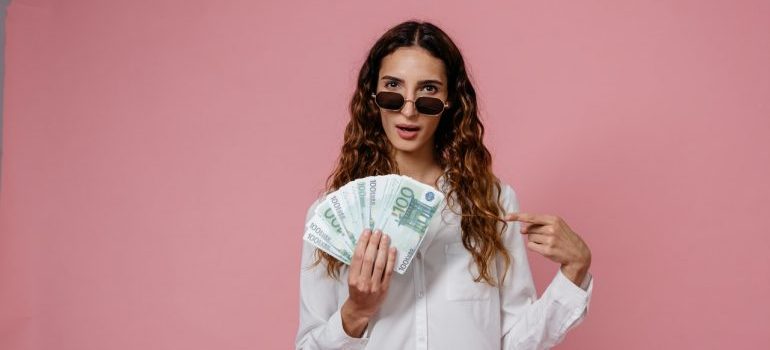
424, 104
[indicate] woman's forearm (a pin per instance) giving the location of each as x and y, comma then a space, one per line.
353, 322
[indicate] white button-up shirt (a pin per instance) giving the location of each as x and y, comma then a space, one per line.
437, 305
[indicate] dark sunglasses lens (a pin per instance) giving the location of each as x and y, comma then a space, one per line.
429, 105
389, 100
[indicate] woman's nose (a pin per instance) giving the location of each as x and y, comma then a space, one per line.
409, 109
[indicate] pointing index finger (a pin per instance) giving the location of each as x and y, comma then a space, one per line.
530, 218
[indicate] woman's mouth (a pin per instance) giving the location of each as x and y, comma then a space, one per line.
407, 132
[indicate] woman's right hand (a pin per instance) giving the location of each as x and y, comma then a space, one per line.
368, 280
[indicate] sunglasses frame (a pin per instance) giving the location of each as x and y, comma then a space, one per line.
446, 103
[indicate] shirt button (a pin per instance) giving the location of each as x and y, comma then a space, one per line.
419, 255
419, 295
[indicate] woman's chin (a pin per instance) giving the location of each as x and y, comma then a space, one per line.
406, 146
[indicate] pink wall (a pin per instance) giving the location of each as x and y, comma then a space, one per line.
159, 157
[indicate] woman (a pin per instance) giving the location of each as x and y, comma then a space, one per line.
414, 113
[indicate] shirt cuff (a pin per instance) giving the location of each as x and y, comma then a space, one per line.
586, 281
571, 296
567, 290
337, 335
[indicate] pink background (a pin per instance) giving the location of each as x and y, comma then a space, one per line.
159, 157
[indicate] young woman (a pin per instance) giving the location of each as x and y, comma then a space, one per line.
469, 286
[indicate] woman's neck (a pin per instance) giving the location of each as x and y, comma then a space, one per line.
420, 165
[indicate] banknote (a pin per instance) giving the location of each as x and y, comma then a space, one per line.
407, 216
320, 235
398, 205
336, 201
361, 204
325, 213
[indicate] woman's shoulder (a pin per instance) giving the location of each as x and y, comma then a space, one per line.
313, 205
506, 189
508, 197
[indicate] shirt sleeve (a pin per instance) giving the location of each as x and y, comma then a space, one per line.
529, 322
320, 322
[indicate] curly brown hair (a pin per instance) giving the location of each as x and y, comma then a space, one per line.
459, 149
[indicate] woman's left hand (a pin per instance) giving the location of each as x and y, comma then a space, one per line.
551, 237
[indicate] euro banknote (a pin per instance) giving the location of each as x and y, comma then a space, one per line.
398, 205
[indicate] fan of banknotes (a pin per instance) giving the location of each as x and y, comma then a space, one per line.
398, 205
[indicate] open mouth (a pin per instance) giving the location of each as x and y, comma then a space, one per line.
407, 132
408, 128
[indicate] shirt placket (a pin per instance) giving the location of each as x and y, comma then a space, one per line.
421, 309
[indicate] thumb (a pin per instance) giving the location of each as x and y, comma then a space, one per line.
511, 216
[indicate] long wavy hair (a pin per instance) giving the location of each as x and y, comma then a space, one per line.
459, 149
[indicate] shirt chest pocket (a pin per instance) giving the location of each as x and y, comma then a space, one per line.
461, 270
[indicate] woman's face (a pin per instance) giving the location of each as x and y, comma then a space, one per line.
412, 72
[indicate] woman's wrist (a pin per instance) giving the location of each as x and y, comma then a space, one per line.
353, 321
575, 272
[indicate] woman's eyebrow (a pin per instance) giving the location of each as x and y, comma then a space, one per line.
421, 82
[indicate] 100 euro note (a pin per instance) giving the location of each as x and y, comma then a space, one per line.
346, 219
407, 216
321, 236
399, 206
374, 196
332, 225
376, 199
361, 201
